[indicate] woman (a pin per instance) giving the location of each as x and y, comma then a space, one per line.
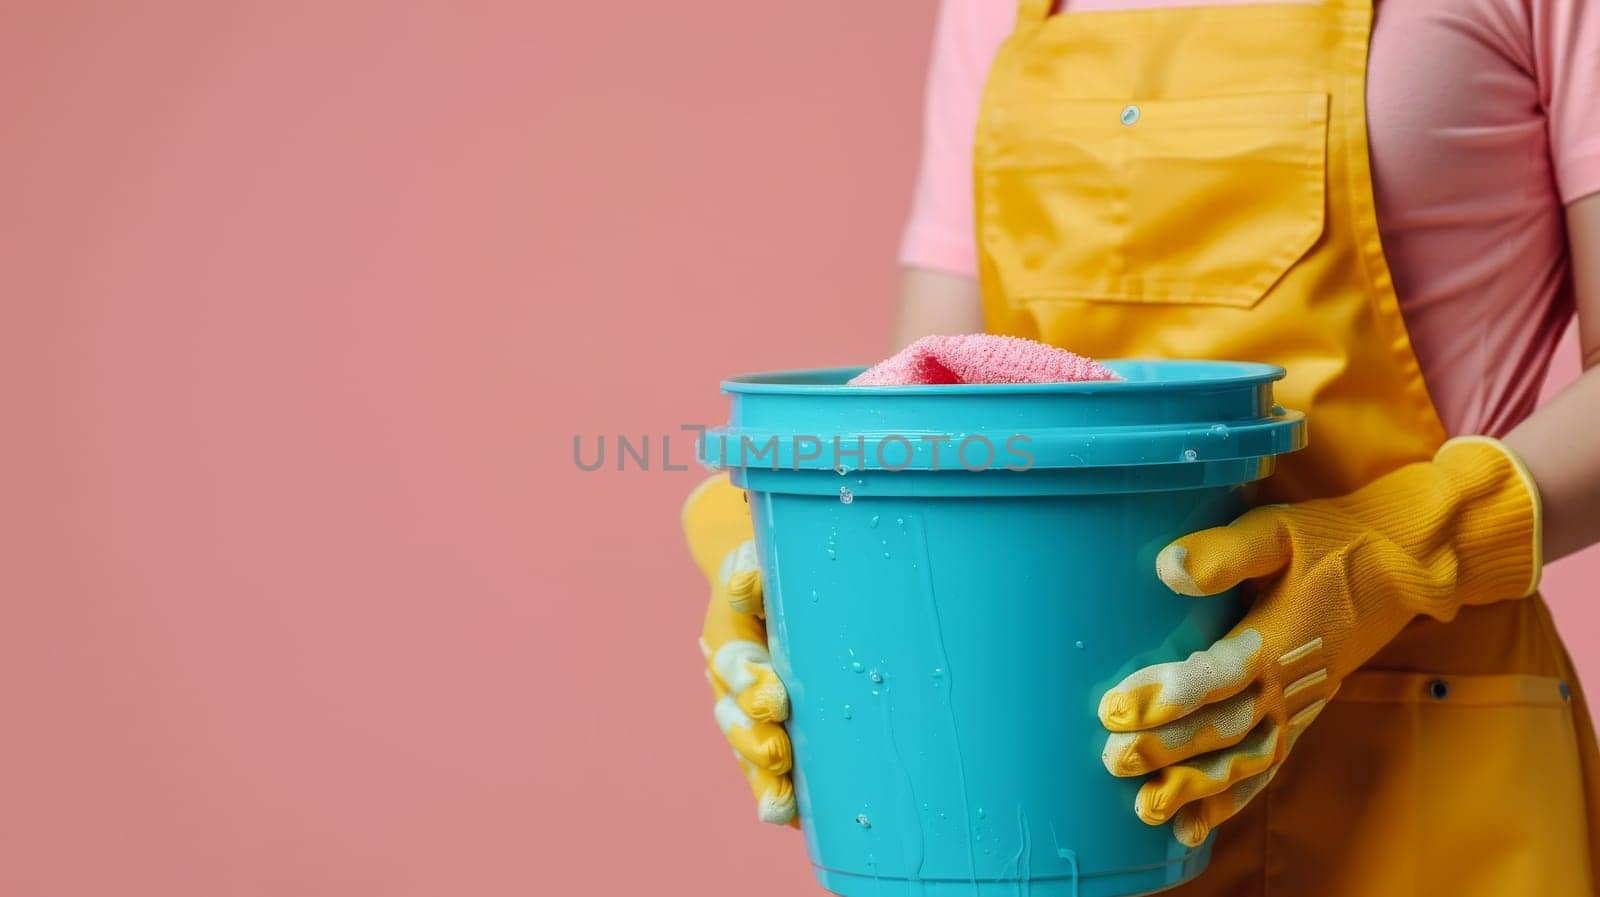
1401, 210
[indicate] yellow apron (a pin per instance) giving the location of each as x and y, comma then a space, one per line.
1194, 183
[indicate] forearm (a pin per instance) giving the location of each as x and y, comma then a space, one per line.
935, 303
1560, 443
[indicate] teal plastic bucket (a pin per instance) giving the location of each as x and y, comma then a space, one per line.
955, 574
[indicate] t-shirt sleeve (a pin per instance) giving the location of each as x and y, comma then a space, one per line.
939, 233
1566, 47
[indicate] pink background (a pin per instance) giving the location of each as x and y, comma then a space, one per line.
303, 305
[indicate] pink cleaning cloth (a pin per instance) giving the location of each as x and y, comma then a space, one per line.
981, 358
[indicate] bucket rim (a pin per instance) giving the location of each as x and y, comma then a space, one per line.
832, 380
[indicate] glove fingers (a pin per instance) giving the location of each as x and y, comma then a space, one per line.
1217, 559
750, 703
741, 578
1195, 821
759, 752
723, 624
763, 745
774, 794
1160, 694
760, 694
745, 667
1211, 728
765, 699
1181, 784
1197, 815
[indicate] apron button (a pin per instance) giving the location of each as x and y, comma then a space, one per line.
1130, 114
1439, 689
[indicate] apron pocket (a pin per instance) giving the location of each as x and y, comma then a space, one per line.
1204, 201
1421, 785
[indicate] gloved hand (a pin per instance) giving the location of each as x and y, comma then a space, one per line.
751, 703
1338, 579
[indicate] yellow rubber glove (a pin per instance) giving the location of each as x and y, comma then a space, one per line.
751, 703
1338, 579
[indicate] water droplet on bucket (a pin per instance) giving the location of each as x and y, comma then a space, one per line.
846, 712
900, 521
1220, 430
1078, 644
875, 676
832, 554
857, 667
841, 470
863, 821
813, 596
873, 522
1190, 454
982, 813
845, 495
1277, 410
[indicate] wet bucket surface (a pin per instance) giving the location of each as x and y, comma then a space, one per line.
946, 633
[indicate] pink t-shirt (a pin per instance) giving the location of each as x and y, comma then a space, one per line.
1485, 122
